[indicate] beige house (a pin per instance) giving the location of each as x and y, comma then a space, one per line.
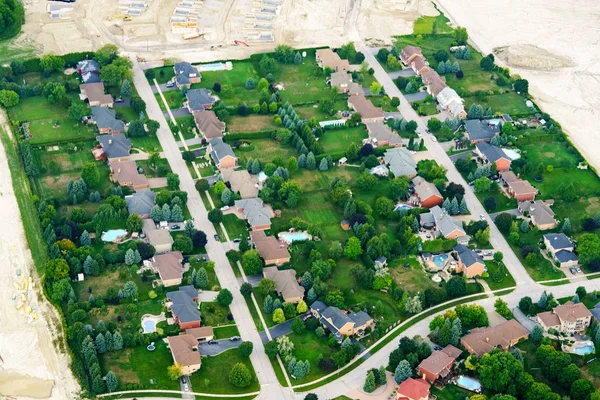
561, 248
410, 53
125, 173
327, 58
434, 82
382, 135
271, 250
184, 349
161, 239
540, 213
241, 181
208, 124
339, 323
201, 334
368, 112
94, 94
502, 336
286, 284
469, 262
341, 80
569, 318
419, 65
169, 268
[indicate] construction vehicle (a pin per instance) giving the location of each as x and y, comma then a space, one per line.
238, 42
122, 16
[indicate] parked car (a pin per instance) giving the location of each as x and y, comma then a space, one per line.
573, 271
183, 380
434, 138
236, 240
216, 237
224, 208
118, 100
213, 342
175, 227
186, 388
234, 338
185, 260
170, 84
482, 217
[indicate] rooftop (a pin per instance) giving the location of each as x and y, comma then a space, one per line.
444, 222
540, 211
340, 79
208, 123
269, 247
184, 349
400, 161
413, 389
285, 281
114, 145
184, 306
141, 202
491, 153
95, 92
254, 211
440, 359
364, 107
484, 340
481, 129
184, 71
424, 189
565, 256
382, 133
467, 256
558, 241
126, 173
241, 181
568, 312
106, 118
331, 59
169, 265
220, 150
199, 99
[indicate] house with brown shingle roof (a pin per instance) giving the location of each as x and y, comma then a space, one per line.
518, 188
382, 135
569, 318
427, 194
94, 93
434, 82
202, 334
125, 173
271, 250
241, 181
328, 58
169, 268
413, 389
503, 336
438, 366
540, 213
366, 109
410, 53
419, 65
286, 284
184, 349
208, 124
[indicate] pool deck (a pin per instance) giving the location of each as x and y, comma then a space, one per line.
155, 318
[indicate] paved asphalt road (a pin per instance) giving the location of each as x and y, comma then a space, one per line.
270, 387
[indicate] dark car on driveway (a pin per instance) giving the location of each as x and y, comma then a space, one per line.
216, 237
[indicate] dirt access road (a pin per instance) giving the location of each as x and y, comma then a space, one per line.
32, 367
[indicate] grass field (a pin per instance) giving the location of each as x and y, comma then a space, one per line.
411, 279
506, 103
187, 126
250, 123
503, 203
147, 143
424, 25
265, 150
233, 90
213, 376
307, 346
226, 332
426, 108
302, 83
379, 101
214, 314
506, 281
16, 49
174, 98
310, 111
164, 74
543, 270
338, 140
154, 173
235, 227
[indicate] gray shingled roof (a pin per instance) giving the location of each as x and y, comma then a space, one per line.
183, 70
184, 306
481, 130
114, 145
141, 202
400, 161
565, 256
318, 306
337, 317
220, 149
491, 153
445, 223
254, 211
199, 99
467, 256
558, 241
106, 118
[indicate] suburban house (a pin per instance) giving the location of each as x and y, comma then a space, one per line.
106, 120
89, 70
443, 223
419, 65
141, 202
493, 154
184, 349
327, 58
208, 124
241, 181
561, 248
168, 266
400, 162
202, 334
258, 216
340, 80
186, 74
381, 261
339, 323
161, 239
199, 100
286, 284
469, 262
366, 109
518, 188
503, 336
450, 101
438, 366
94, 94
115, 147
434, 82
413, 389
540, 213
410, 53
381, 135
125, 173
569, 318
596, 311
426, 192
481, 130
222, 153
272, 250
182, 304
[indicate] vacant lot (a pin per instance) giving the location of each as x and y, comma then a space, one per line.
308, 346
250, 123
236, 228
506, 103
413, 278
174, 98
265, 150
304, 83
213, 376
338, 140
233, 90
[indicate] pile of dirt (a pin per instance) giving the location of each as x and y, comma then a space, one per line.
531, 57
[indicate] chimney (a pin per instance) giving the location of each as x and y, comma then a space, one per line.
487, 339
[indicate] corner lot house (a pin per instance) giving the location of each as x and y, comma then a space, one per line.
443, 224
271, 250
502, 336
241, 181
106, 121
125, 173
410, 53
115, 147
413, 389
438, 366
208, 124
493, 154
481, 130
141, 202
427, 194
381, 135
539, 213
258, 216
340, 323
222, 154
182, 304
199, 100
89, 70
327, 58
469, 262
561, 248
400, 162
569, 318
184, 349
366, 109
286, 284
186, 74
161, 239
94, 94
518, 188
169, 268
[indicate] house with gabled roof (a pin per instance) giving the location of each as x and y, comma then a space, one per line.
89, 70
409, 53
434, 82
426, 193
481, 130
561, 248
253, 209
199, 100
539, 212
368, 112
94, 94
160, 239
125, 173
141, 202
169, 267
208, 124
400, 162
184, 349
182, 303
241, 182
569, 318
270, 249
327, 58
286, 284
186, 74
382, 135
493, 154
444, 224
438, 366
450, 101
115, 147
502, 336
413, 389
222, 154
419, 65
518, 188
469, 262
340, 323
106, 121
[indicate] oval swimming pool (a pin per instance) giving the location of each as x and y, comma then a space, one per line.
584, 350
149, 325
468, 383
113, 234
291, 237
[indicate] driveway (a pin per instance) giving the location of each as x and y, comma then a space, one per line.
185, 394
416, 96
163, 88
124, 103
207, 296
405, 73
217, 348
395, 114
157, 182
464, 155
523, 320
190, 142
253, 280
514, 212
178, 112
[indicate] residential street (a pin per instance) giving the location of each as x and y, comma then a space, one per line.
270, 387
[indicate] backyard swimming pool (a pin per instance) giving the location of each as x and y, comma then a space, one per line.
212, 67
469, 383
291, 237
113, 234
584, 350
149, 326
440, 260
403, 207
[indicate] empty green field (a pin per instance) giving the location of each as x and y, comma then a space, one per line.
233, 89
250, 123
338, 140
506, 103
304, 83
265, 150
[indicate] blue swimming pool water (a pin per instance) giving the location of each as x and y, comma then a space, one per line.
468, 383
294, 236
149, 326
583, 350
403, 207
212, 67
113, 234
440, 260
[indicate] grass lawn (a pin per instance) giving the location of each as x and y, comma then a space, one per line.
233, 90
213, 376
424, 25
15, 49
507, 279
212, 276
591, 371
503, 203
304, 83
506, 103
127, 114
140, 366
235, 227
163, 163
338, 140
254, 312
226, 332
426, 108
265, 150
163, 74
543, 270
147, 143
378, 101
307, 346
451, 392
310, 111
174, 98
187, 126
250, 123
214, 314
412, 279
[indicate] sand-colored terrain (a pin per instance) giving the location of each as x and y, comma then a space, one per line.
555, 46
31, 366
